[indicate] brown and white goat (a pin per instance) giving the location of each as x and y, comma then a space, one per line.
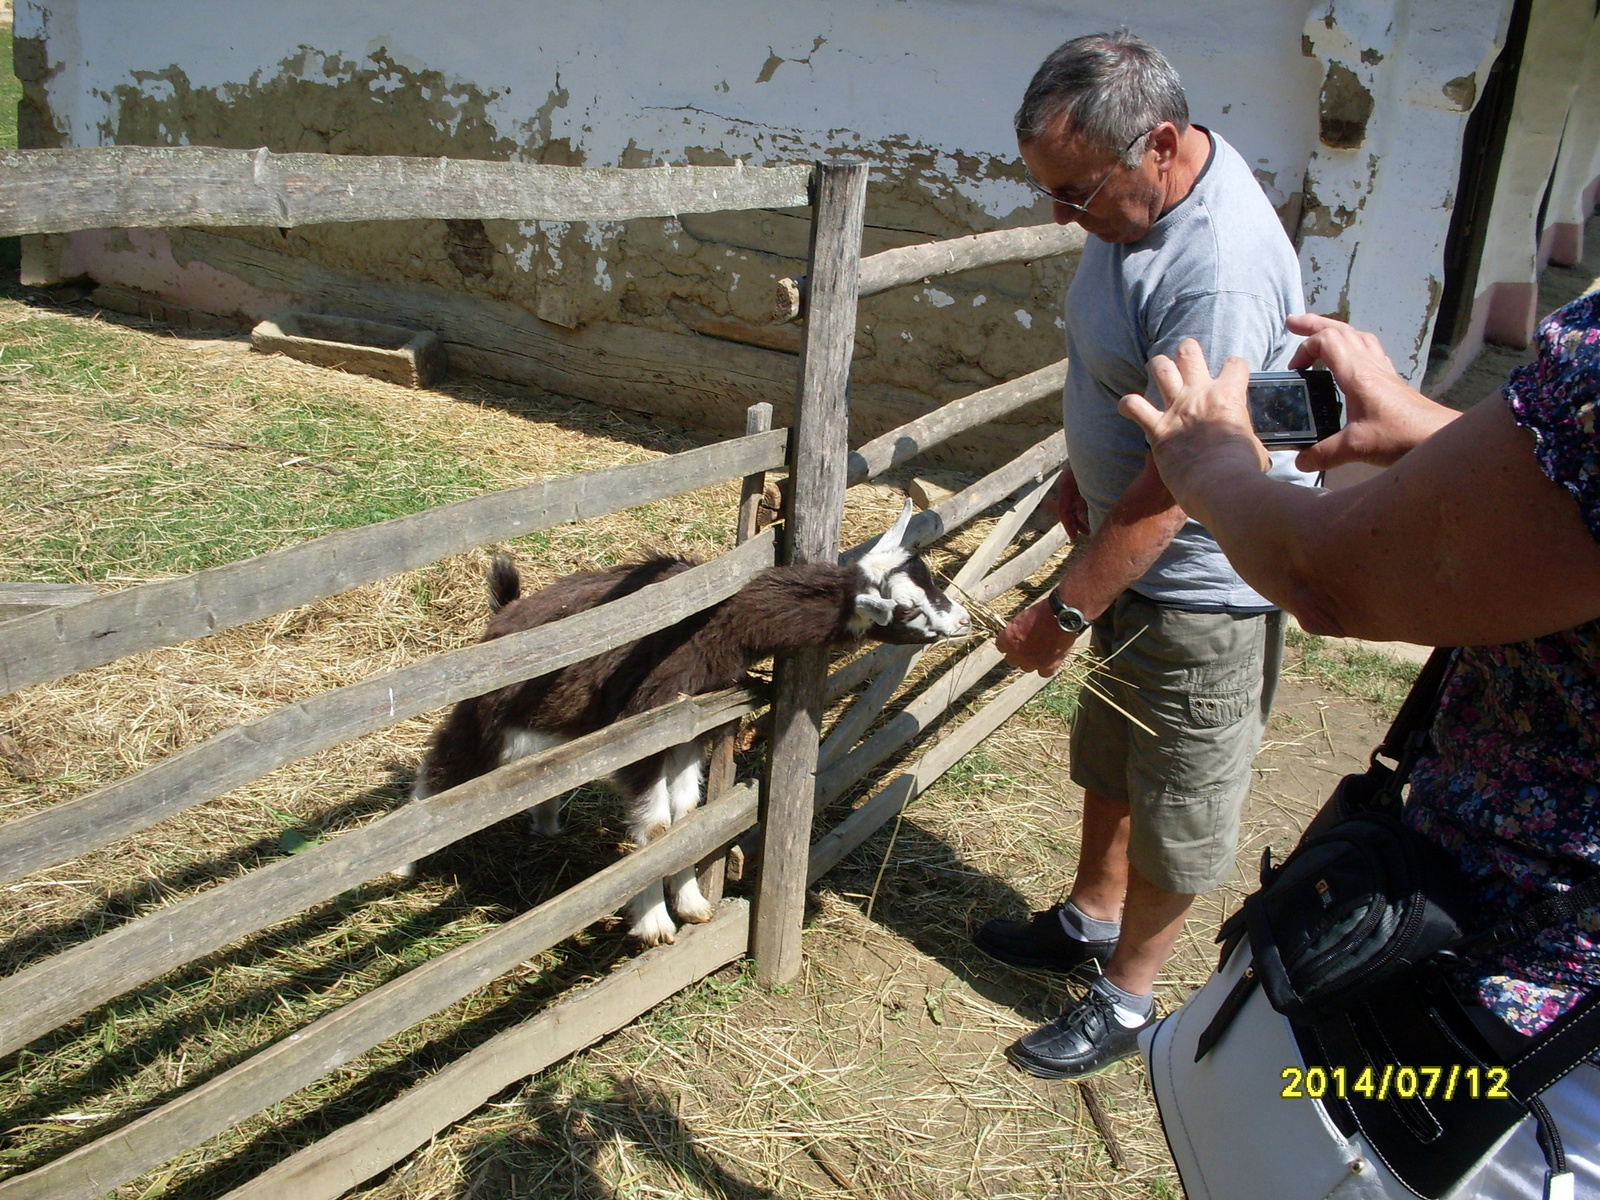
888, 594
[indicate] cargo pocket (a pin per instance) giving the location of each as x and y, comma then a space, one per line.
1214, 709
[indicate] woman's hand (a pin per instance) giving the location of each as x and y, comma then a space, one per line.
1384, 416
1206, 423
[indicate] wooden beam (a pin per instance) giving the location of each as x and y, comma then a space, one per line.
913, 264
20, 599
818, 453
246, 752
838, 777
37, 999
720, 767
358, 1151
48, 645
914, 437
115, 187
861, 824
348, 1032
934, 523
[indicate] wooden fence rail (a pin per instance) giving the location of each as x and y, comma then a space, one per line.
929, 430
335, 1039
360, 1150
42, 996
246, 752
912, 264
57, 642
58, 191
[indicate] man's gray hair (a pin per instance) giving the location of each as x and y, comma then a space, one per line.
1110, 88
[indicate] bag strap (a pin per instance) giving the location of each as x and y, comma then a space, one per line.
1572, 1038
1408, 735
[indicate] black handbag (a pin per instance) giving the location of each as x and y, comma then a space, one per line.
1347, 935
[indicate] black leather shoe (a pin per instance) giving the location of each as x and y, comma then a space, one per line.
1084, 1039
1040, 944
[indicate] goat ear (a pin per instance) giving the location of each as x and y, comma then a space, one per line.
892, 537
879, 608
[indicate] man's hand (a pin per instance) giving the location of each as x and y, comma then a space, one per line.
1384, 416
1072, 508
1034, 641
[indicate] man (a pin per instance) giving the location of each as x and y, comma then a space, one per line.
1184, 245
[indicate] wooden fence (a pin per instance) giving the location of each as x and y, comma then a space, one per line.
58, 191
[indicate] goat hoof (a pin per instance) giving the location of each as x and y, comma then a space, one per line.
691, 905
654, 928
405, 871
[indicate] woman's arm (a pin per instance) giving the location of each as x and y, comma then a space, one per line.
1463, 541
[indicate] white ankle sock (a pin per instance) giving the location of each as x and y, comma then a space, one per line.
1078, 924
1131, 1010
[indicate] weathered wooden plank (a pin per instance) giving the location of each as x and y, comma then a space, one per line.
246, 752
912, 264
818, 452
934, 523
48, 645
866, 820
20, 599
850, 726
911, 439
360, 1150
837, 778
720, 776
37, 999
113, 187
342, 1035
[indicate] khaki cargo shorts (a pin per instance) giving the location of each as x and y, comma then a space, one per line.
1203, 684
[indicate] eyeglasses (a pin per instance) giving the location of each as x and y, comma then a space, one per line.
1082, 207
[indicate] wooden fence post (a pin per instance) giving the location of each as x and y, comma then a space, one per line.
818, 454
720, 770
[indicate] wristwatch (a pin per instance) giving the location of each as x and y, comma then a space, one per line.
1070, 619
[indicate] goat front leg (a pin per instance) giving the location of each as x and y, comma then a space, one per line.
685, 773
651, 816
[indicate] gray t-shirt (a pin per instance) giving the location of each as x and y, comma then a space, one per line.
1216, 267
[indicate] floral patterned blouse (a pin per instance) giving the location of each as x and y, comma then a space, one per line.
1514, 790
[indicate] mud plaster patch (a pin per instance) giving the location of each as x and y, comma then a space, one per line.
1462, 91
1346, 108
576, 273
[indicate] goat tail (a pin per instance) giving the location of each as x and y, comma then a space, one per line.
505, 585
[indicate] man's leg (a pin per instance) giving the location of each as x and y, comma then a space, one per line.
1151, 922
1101, 880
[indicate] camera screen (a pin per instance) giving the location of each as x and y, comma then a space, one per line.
1281, 408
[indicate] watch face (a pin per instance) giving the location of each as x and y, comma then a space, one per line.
1069, 618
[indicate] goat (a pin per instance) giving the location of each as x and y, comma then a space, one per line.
888, 594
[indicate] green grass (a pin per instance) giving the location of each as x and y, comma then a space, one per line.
179, 474
1058, 701
1366, 674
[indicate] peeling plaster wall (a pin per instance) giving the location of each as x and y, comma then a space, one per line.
923, 89
1400, 78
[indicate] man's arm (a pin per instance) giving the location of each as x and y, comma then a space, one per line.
1139, 526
